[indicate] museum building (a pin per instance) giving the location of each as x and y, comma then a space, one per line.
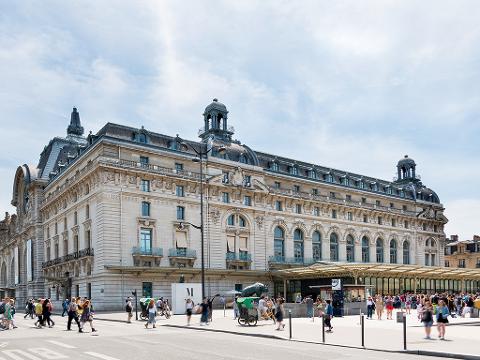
119, 210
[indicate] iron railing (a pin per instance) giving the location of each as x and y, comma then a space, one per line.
138, 250
230, 256
69, 257
182, 252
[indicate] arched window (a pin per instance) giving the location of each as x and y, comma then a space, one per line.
279, 244
393, 251
365, 250
333, 247
298, 245
3, 275
317, 245
231, 220
350, 248
406, 252
243, 159
379, 250
241, 221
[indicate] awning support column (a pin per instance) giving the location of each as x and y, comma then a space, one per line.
285, 289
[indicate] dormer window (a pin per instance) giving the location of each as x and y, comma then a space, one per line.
329, 178
312, 174
140, 137
293, 170
361, 185
243, 159
275, 167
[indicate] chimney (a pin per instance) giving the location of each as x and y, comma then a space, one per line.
453, 238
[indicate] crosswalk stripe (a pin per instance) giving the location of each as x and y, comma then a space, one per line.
66, 346
100, 356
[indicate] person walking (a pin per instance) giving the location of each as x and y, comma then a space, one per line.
379, 307
87, 315
129, 309
427, 318
39, 313
189, 309
309, 301
328, 316
370, 307
152, 313
442, 318
204, 311
279, 314
73, 315
389, 306
7, 313
47, 313
236, 311
64, 307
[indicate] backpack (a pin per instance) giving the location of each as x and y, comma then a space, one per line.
128, 308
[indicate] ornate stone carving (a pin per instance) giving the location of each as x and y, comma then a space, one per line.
259, 220
215, 215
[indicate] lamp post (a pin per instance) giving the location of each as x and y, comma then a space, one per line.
199, 159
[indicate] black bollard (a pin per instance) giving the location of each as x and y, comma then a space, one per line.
323, 328
404, 331
290, 322
362, 322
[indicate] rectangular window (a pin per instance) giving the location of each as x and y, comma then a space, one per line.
75, 219
296, 188
380, 220
365, 218
435, 228
392, 205
350, 216
144, 160
180, 213
88, 239
75, 243
427, 260
89, 290
226, 197
348, 197
405, 224
278, 205
316, 211
146, 240
424, 227
247, 200
378, 203
145, 185
147, 289
447, 263
404, 207
56, 228
364, 200
87, 212
179, 191
394, 222
247, 180
226, 177
461, 263
332, 195
315, 191
56, 250
277, 184
334, 214
145, 208
298, 208
178, 167
48, 231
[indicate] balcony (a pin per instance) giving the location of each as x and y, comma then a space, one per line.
82, 254
283, 262
182, 257
146, 257
238, 261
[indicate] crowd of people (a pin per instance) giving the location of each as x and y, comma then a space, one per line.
77, 309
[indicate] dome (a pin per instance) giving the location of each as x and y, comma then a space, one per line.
215, 105
406, 161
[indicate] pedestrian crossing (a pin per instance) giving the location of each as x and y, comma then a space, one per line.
48, 353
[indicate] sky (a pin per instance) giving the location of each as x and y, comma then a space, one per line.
353, 85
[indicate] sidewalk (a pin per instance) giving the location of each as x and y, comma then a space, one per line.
382, 335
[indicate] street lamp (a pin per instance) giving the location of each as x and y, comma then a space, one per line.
199, 159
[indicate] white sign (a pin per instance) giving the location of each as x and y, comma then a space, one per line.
29, 261
182, 292
336, 284
17, 268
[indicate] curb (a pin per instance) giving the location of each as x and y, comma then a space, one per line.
274, 337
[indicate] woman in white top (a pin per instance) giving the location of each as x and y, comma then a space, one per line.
188, 309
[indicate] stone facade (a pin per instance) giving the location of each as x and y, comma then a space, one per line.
463, 254
120, 214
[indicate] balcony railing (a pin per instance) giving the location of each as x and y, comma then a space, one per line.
139, 251
290, 261
69, 257
182, 253
230, 256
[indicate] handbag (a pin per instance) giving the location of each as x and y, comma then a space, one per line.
427, 316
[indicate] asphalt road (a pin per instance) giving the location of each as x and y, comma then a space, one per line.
117, 341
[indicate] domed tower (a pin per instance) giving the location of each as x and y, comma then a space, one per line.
215, 118
406, 170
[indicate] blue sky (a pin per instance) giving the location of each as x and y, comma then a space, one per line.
353, 85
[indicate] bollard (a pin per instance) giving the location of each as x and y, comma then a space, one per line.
362, 322
323, 329
224, 309
404, 331
290, 323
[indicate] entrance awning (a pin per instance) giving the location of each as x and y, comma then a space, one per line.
331, 269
